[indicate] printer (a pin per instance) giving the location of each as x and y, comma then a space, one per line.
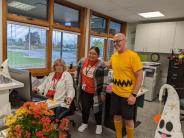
151, 79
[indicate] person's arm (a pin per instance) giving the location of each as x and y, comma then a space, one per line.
138, 72
108, 64
139, 78
105, 78
101, 79
70, 89
42, 86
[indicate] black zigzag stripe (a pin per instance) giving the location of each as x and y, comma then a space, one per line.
122, 83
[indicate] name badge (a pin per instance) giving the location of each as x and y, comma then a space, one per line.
84, 86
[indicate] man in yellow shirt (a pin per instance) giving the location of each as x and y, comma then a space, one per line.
127, 79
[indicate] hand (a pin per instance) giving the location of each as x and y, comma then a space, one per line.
131, 100
68, 100
103, 98
35, 89
107, 63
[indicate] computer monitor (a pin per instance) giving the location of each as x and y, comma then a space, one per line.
23, 76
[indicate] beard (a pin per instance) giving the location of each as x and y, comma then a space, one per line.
118, 49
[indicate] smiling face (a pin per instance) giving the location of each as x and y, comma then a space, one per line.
165, 129
93, 55
169, 125
59, 66
119, 42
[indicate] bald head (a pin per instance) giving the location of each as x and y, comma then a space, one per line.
120, 35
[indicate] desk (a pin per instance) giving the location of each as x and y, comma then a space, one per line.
5, 107
3, 133
139, 103
108, 119
51, 104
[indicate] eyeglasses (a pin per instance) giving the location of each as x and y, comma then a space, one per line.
117, 41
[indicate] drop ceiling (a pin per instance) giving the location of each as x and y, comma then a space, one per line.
127, 10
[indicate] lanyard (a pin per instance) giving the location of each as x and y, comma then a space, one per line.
55, 81
54, 84
89, 68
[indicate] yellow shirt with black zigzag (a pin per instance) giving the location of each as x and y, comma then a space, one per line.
124, 66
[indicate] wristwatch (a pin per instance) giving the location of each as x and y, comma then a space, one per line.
134, 94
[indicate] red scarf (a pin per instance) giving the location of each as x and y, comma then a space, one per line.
86, 80
55, 79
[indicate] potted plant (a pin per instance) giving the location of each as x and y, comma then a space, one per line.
34, 120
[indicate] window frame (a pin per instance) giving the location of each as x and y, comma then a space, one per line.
105, 41
14, 16
116, 21
78, 41
109, 39
68, 28
36, 26
106, 35
102, 34
49, 23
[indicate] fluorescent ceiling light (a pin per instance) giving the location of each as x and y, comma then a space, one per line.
151, 14
21, 6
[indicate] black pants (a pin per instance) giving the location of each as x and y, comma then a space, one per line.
87, 102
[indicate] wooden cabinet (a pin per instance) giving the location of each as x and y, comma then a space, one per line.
179, 36
155, 37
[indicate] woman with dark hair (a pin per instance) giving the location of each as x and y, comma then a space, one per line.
91, 76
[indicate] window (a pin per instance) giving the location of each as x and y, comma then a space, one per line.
98, 42
33, 39
26, 46
98, 24
111, 49
104, 27
66, 16
115, 27
65, 45
30, 8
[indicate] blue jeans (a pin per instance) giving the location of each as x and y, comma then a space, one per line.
61, 112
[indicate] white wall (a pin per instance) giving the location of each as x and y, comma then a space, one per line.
130, 35
1, 41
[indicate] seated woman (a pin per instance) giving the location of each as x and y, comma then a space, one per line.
58, 86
